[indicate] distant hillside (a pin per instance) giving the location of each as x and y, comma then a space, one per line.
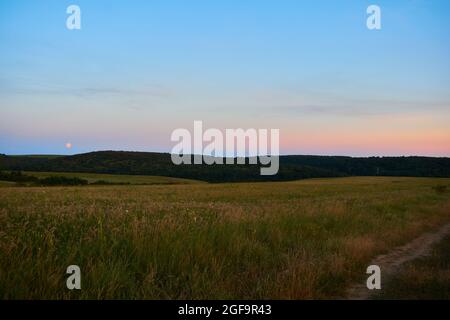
291, 167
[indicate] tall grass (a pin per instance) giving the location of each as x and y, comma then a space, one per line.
293, 240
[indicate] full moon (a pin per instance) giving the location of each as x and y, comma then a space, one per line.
68, 145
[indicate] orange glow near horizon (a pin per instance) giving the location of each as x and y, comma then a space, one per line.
381, 136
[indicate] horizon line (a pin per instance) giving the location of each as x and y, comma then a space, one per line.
203, 155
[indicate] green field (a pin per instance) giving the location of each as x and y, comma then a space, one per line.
114, 178
6, 184
283, 240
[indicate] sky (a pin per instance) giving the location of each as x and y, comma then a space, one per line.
137, 70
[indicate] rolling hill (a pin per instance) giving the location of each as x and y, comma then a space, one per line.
291, 167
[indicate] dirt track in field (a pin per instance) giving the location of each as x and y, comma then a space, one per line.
391, 262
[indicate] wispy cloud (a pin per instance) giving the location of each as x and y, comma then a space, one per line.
27, 86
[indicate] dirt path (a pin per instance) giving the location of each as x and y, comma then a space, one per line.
391, 262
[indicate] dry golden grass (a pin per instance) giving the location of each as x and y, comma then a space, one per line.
293, 240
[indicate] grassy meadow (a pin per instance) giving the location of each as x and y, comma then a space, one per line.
281, 240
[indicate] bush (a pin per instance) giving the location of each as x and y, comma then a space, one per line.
108, 183
62, 181
16, 176
440, 188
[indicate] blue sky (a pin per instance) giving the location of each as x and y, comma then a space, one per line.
139, 69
